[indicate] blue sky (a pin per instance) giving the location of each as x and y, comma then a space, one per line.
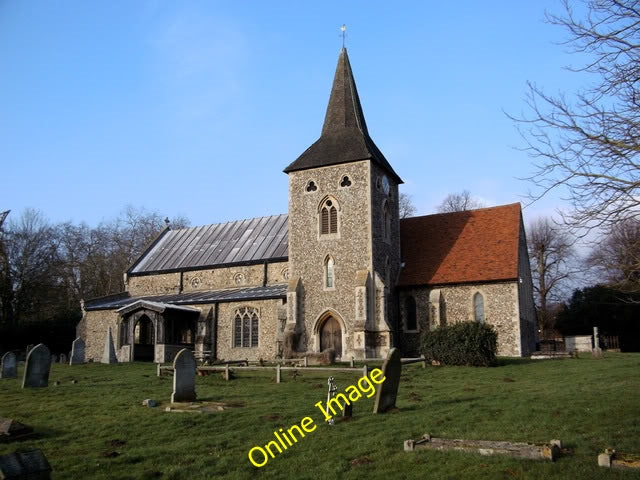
194, 108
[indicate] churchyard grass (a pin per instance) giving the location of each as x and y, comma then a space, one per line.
97, 429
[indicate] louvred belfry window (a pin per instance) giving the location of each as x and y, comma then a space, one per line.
328, 218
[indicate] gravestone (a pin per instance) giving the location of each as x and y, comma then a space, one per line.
109, 354
8, 367
77, 352
30, 464
36, 369
63, 358
184, 377
388, 390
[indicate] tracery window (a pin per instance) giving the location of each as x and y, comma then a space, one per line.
328, 217
246, 327
346, 182
311, 186
478, 308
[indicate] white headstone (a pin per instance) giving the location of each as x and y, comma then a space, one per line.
184, 377
109, 354
36, 370
8, 367
77, 352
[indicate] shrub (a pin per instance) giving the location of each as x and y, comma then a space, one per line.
467, 343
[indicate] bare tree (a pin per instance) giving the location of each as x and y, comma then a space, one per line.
589, 142
30, 256
458, 202
407, 208
551, 254
617, 256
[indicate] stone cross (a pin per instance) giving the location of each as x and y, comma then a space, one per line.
37, 366
109, 353
8, 366
77, 352
184, 377
388, 390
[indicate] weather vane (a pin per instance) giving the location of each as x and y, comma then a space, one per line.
343, 29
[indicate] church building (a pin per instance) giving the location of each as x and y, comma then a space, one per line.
340, 271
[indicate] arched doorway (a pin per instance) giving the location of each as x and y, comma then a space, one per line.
331, 336
144, 340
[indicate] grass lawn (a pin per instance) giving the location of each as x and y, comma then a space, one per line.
97, 429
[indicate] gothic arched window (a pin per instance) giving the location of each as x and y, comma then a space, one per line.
386, 219
478, 307
328, 217
329, 273
246, 327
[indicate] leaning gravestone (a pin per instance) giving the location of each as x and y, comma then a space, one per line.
388, 390
36, 370
184, 377
109, 354
8, 368
77, 352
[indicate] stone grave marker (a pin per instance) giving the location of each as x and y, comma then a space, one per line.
8, 366
388, 390
184, 377
77, 352
109, 354
36, 370
31, 464
63, 358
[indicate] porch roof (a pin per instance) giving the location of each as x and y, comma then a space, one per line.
191, 298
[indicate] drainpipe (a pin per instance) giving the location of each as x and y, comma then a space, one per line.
264, 276
214, 333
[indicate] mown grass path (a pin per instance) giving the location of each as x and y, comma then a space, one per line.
97, 429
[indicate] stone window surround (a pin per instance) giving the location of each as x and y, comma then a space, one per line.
323, 205
311, 186
329, 275
241, 312
483, 296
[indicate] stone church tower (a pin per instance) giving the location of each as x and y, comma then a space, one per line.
344, 235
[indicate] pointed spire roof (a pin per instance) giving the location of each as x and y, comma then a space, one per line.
344, 136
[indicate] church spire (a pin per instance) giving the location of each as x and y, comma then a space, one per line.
344, 136
344, 109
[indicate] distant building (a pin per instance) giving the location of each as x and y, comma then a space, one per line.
340, 271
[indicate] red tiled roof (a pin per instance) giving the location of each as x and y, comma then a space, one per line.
460, 247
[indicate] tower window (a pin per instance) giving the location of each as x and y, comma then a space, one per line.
386, 219
329, 273
346, 182
328, 218
311, 186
